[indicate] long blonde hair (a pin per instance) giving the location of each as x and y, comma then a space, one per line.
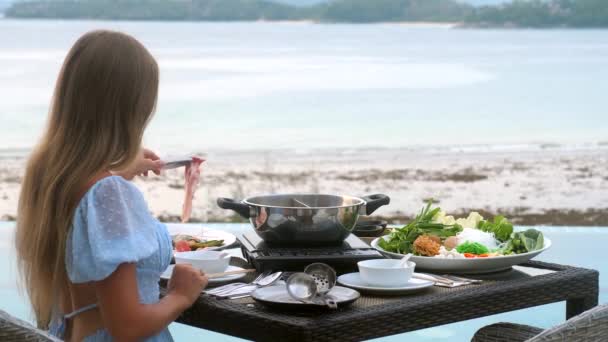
104, 98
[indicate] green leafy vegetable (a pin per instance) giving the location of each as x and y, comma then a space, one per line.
205, 244
524, 242
501, 228
402, 239
472, 247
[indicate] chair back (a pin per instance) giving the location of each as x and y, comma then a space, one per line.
591, 325
14, 329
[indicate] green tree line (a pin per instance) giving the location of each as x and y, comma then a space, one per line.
538, 13
519, 13
333, 11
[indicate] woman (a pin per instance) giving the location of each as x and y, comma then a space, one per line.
89, 251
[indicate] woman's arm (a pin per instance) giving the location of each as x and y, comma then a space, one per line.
126, 319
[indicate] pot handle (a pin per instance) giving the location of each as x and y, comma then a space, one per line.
373, 202
240, 208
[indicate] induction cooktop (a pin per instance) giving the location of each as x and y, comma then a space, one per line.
342, 257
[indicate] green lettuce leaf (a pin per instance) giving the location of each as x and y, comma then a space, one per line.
501, 228
402, 239
524, 242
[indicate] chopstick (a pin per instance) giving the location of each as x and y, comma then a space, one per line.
448, 280
176, 163
433, 278
219, 275
467, 280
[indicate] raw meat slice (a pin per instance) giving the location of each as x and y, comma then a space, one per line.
193, 172
182, 246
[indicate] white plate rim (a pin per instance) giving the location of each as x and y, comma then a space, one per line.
425, 284
546, 241
211, 281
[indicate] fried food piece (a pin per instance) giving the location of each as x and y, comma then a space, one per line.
434, 238
451, 243
427, 246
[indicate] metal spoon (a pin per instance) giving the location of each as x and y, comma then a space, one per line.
302, 287
325, 278
312, 286
269, 280
404, 260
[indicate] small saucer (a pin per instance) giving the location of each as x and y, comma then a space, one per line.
353, 280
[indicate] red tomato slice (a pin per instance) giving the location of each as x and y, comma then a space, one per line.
182, 246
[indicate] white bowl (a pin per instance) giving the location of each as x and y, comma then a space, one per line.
385, 272
207, 261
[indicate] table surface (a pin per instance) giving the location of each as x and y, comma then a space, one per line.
528, 285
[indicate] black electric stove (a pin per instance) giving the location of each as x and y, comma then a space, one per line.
343, 257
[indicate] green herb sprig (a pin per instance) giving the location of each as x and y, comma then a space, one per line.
402, 239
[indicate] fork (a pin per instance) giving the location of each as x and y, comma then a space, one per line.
223, 290
245, 291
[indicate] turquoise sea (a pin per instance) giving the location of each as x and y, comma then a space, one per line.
573, 246
304, 85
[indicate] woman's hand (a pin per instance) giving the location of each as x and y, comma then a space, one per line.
128, 319
187, 282
146, 161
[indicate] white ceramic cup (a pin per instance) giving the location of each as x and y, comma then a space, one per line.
385, 272
207, 261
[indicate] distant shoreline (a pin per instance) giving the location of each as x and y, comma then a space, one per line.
316, 22
412, 24
515, 14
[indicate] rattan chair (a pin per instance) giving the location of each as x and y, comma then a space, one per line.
14, 329
591, 325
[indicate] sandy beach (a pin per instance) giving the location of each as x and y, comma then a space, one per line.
545, 184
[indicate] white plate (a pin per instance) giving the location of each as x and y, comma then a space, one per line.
276, 295
202, 233
353, 280
167, 275
469, 265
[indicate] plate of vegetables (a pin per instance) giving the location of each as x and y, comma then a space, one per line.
207, 240
442, 243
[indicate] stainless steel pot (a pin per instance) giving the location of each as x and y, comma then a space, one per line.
304, 219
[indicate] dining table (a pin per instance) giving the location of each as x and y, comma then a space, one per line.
371, 316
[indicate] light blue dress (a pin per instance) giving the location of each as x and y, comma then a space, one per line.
112, 225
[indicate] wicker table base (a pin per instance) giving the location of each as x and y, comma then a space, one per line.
374, 316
